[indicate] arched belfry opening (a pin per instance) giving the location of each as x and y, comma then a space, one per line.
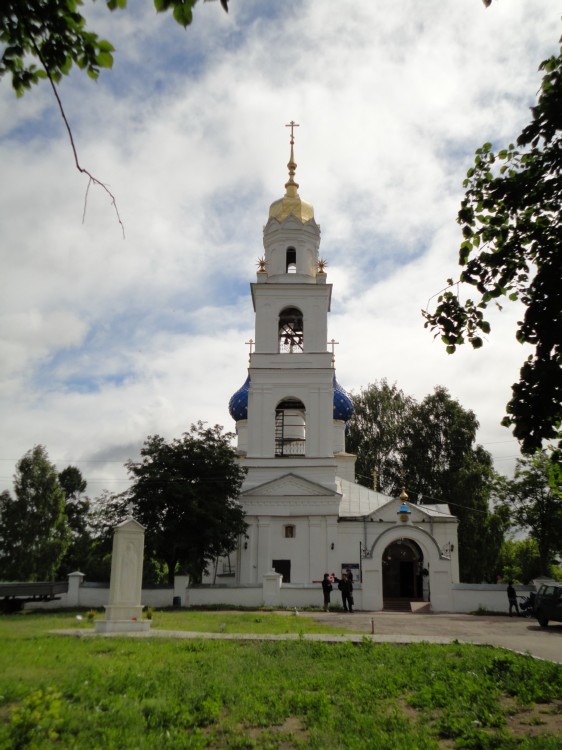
402, 574
290, 331
290, 428
291, 260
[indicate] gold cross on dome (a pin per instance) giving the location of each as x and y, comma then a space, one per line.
292, 125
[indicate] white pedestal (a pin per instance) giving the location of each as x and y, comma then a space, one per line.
122, 626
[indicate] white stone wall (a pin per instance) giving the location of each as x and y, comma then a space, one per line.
461, 598
470, 597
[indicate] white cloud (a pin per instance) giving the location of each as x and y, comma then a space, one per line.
105, 341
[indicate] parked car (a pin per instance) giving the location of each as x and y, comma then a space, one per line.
548, 603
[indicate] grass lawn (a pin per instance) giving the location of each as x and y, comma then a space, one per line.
209, 621
119, 693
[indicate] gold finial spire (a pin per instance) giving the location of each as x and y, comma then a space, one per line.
291, 203
404, 495
291, 186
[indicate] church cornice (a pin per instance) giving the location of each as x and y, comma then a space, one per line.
292, 483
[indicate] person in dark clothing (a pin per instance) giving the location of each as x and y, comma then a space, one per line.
512, 598
345, 585
326, 590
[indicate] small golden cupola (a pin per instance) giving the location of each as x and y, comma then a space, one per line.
291, 204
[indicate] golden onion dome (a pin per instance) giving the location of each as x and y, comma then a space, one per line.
291, 203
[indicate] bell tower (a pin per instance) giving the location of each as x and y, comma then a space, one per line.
291, 416
291, 412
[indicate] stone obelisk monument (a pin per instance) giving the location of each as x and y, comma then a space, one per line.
124, 611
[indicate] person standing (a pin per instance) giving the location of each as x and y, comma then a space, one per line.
345, 585
326, 590
512, 598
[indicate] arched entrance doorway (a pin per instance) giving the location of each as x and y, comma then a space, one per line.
402, 574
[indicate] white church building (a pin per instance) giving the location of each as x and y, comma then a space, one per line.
306, 514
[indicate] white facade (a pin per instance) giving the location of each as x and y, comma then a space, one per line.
306, 515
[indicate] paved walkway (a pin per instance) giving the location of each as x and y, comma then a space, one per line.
517, 634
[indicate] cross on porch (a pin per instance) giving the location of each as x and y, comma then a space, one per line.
251, 343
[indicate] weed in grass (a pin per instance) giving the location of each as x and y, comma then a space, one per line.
37, 719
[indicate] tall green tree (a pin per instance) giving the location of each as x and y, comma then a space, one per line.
443, 463
536, 506
34, 531
519, 560
430, 447
185, 493
440, 444
78, 511
511, 219
377, 435
104, 513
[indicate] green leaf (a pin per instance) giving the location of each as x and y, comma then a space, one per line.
66, 66
104, 59
183, 14
105, 46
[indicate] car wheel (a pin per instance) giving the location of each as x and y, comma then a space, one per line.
543, 621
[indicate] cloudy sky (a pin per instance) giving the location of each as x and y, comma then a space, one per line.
105, 340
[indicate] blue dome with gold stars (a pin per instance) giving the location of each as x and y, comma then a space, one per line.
238, 404
343, 405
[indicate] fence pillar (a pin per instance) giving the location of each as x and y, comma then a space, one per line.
75, 581
272, 589
180, 590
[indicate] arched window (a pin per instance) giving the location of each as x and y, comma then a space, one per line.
290, 428
291, 264
290, 330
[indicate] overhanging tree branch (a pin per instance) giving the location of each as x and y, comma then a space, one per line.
79, 167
